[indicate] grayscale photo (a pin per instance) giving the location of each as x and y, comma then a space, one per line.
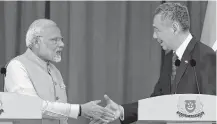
108, 62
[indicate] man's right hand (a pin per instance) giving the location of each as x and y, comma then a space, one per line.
111, 105
114, 107
93, 111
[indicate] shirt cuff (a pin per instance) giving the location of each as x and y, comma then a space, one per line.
74, 111
60, 110
122, 113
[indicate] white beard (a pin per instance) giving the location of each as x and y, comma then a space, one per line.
57, 58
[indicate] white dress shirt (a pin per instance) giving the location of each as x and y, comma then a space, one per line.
18, 81
181, 49
214, 47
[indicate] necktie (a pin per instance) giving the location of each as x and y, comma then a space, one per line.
174, 67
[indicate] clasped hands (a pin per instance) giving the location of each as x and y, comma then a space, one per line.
101, 115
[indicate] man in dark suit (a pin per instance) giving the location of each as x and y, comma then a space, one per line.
171, 29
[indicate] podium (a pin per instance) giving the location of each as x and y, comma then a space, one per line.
178, 109
19, 107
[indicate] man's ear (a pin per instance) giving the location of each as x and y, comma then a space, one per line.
36, 41
175, 27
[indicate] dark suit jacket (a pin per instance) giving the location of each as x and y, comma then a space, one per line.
185, 80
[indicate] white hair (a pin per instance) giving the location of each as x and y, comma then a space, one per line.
35, 30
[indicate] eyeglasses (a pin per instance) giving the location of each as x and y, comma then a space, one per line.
56, 40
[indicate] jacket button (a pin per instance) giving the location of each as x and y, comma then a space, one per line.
55, 83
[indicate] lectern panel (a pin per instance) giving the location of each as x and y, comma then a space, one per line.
178, 108
16, 106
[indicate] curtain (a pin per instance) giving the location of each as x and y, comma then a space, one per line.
14, 22
109, 48
208, 35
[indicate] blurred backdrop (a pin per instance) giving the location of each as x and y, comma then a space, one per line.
109, 48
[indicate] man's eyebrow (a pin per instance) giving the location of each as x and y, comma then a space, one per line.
56, 37
154, 26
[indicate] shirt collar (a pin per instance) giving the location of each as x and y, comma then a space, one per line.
41, 62
181, 49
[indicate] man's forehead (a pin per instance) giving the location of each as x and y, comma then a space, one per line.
158, 22
157, 18
155, 23
51, 28
51, 31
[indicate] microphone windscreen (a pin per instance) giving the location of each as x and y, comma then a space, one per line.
177, 62
3, 70
193, 62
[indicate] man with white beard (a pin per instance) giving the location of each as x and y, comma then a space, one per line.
32, 73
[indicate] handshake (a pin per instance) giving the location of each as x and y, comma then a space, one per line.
101, 115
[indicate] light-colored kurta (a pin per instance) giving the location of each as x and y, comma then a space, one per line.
28, 74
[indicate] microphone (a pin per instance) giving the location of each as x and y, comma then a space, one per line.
3, 70
193, 64
177, 62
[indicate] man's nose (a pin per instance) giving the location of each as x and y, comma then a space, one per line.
61, 44
154, 35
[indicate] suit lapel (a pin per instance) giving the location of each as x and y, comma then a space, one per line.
182, 68
185, 61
